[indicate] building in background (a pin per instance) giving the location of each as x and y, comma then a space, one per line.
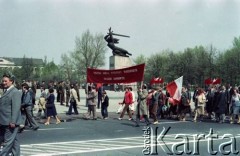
10, 62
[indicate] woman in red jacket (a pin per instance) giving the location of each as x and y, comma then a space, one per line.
128, 100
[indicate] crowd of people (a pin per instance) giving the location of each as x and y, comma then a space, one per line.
149, 105
16, 109
216, 103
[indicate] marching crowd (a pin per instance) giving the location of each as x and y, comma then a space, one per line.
16, 106
216, 103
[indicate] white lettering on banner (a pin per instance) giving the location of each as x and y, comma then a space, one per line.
119, 78
116, 72
105, 73
97, 73
107, 78
130, 71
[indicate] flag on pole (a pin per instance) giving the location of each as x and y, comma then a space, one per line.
216, 81
208, 81
175, 89
156, 80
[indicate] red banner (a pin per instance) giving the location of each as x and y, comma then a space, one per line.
125, 75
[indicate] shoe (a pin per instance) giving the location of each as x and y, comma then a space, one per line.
184, 119
105, 118
119, 118
137, 125
194, 120
46, 123
220, 122
21, 130
148, 123
58, 122
36, 128
68, 114
94, 118
155, 122
130, 119
231, 122
21, 126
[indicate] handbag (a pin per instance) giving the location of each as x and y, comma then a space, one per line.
49, 105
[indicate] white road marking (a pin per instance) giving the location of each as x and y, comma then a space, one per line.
160, 123
47, 129
88, 146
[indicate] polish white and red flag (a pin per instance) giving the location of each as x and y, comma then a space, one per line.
216, 81
156, 80
175, 89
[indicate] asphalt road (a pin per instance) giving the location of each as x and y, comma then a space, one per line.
112, 137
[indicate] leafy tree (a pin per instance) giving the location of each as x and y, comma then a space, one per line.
67, 66
89, 52
140, 60
51, 72
27, 68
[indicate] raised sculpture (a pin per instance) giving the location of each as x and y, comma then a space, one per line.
111, 44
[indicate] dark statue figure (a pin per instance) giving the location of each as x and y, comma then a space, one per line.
111, 44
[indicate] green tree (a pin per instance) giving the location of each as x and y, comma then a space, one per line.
157, 65
228, 63
89, 52
51, 71
140, 60
27, 68
67, 66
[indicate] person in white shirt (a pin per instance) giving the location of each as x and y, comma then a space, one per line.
73, 101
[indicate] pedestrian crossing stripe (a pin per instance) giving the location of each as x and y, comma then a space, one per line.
88, 146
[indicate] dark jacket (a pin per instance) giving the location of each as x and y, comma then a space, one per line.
26, 99
222, 103
155, 98
105, 102
50, 102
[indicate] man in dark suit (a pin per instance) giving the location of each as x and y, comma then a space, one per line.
10, 117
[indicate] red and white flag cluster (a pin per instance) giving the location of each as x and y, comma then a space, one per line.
175, 89
212, 81
156, 80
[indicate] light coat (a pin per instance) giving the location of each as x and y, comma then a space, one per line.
142, 102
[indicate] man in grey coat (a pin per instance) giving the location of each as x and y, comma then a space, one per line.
10, 117
142, 108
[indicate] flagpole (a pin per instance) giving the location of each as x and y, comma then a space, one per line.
141, 85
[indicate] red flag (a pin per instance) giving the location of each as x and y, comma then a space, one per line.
216, 81
173, 101
156, 80
175, 89
208, 81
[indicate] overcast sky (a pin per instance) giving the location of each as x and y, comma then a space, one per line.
48, 27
